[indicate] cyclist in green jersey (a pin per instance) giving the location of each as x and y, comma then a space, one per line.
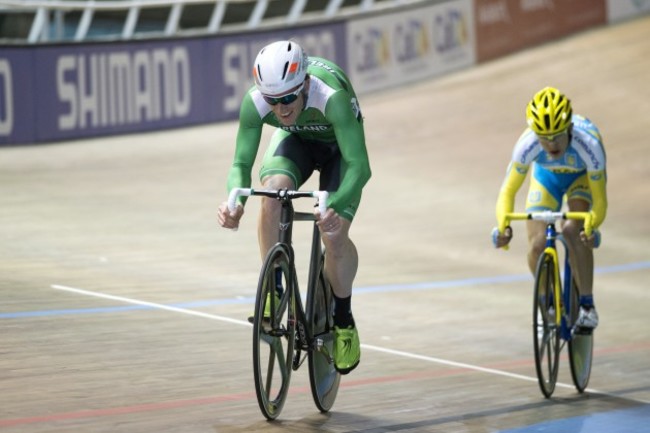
319, 128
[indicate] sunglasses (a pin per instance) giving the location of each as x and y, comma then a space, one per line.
553, 137
286, 99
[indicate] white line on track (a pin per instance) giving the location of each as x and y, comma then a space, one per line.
151, 304
449, 363
365, 346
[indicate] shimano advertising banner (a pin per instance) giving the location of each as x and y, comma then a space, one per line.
17, 98
108, 88
50, 93
60, 92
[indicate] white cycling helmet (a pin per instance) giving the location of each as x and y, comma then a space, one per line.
279, 68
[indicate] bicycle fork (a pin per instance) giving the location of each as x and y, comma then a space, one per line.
556, 285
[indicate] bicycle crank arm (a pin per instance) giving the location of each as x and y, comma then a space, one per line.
319, 345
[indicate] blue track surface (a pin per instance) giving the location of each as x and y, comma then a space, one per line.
635, 420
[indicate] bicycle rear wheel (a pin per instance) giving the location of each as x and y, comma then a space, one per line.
545, 330
323, 377
274, 329
580, 346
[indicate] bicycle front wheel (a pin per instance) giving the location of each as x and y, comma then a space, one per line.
545, 330
323, 377
274, 328
580, 347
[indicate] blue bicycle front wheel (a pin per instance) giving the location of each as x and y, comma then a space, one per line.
546, 332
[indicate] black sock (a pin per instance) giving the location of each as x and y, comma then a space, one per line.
343, 312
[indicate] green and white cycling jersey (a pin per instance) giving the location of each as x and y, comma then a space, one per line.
331, 120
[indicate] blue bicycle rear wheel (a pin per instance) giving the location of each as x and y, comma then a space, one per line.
581, 346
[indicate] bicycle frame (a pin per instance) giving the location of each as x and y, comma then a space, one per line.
551, 249
566, 327
562, 299
562, 294
288, 215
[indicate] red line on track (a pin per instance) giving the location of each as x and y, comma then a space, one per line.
298, 390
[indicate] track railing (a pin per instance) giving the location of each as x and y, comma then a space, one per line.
42, 21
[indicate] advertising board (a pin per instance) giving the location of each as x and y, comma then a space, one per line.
397, 48
618, 10
506, 26
60, 92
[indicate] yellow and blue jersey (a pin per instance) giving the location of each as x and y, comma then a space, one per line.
579, 173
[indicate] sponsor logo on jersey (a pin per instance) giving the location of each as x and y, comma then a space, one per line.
321, 65
305, 128
596, 177
535, 197
529, 148
589, 152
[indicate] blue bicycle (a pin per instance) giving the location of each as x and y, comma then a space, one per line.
556, 307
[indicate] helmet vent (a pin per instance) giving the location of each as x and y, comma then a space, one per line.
284, 71
259, 72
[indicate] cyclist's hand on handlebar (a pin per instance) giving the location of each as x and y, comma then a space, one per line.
330, 222
228, 219
499, 239
591, 241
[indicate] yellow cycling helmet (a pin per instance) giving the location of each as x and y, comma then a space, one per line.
549, 112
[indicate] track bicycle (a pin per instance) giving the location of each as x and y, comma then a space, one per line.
284, 331
556, 307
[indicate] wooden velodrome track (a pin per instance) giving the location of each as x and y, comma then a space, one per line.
123, 304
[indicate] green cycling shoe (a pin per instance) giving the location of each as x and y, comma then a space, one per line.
347, 349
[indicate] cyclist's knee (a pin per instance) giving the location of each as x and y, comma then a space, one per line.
271, 206
571, 230
340, 248
536, 246
339, 243
278, 181
333, 241
537, 238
